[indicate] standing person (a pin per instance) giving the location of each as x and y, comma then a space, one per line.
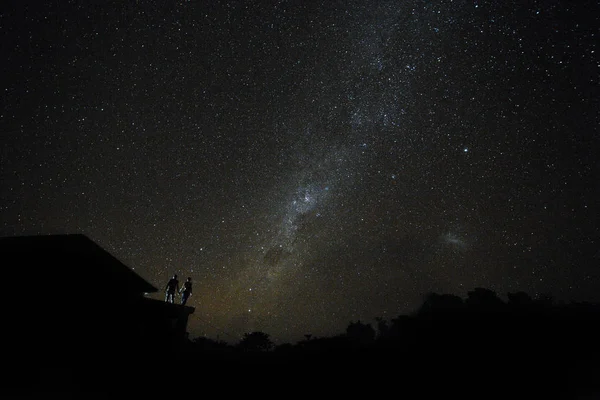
186, 291
172, 288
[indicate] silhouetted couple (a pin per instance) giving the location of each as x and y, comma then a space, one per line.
173, 287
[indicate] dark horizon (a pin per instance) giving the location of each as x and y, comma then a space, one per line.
233, 339
470, 347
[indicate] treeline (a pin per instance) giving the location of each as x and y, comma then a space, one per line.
444, 320
521, 344
475, 347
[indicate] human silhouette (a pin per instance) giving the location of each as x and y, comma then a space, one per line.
172, 288
186, 291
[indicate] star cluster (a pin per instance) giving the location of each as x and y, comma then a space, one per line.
310, 163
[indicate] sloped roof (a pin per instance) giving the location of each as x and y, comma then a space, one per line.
70, 262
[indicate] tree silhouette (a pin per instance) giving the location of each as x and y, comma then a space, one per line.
482, 299
382, 327
519, 299
256, 341
360, 333
441, 303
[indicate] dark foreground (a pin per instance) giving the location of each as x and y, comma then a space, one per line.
444, 374
448, 349
443, 369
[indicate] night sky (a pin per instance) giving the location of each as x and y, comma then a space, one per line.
310, 163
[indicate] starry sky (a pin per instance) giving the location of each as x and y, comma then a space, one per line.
310, 163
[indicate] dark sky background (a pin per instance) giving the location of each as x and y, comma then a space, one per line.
310, 163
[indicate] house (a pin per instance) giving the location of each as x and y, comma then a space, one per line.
68, 301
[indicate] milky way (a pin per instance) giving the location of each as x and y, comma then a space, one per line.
314, 164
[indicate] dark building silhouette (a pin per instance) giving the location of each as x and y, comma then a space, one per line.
69, 303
